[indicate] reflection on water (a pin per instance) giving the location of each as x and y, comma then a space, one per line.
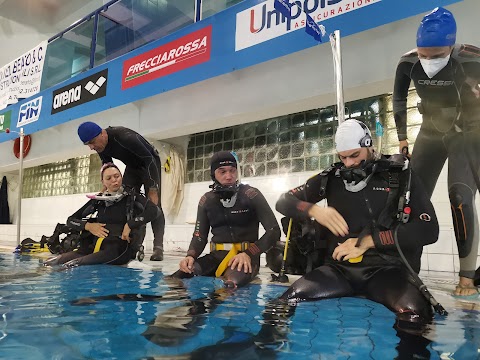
139, 314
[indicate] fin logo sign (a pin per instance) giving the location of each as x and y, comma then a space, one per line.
262, 22
29, 112
185, 52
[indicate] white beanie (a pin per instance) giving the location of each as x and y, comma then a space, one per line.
352, 134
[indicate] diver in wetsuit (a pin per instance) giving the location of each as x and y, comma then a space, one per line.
233, 212
446, 77
142, 167
363, 260
364, 193
109, 239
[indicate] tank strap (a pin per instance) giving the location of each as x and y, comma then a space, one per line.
324, 177
397, 205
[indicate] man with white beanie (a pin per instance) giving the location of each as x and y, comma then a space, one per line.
374, 202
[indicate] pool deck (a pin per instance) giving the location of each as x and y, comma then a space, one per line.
440, 284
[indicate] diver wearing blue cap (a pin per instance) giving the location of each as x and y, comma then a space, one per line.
142, 166
446, 76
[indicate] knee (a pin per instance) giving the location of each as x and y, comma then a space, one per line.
415, 310
295, 293
413, 322
460, 195
236, 279
179, 274
421, 314
53, 261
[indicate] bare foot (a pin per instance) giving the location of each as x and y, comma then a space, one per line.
465, 287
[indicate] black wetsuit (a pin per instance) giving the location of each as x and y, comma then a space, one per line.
113, 250
450, 105
381, 275
236, 224
142, 168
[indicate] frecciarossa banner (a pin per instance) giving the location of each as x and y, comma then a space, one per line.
185, 52
244, 35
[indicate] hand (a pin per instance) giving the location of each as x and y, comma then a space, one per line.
97, 229
347, 250
240, 261
126, 233
474, 86
401, 148
153, 196
186, 264
330, 218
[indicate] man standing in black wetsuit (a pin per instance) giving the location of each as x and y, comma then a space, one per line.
446, 77
233, 211
142, 166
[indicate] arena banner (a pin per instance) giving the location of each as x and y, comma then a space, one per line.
21, 78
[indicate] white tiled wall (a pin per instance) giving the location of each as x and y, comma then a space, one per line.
40, 216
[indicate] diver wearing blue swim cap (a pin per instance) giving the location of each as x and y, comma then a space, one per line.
436, 36
437, 28
446, 76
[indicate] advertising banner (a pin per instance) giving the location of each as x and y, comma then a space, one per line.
263, 22
21, 78
80, 92
29, 112
247, 34
187, 51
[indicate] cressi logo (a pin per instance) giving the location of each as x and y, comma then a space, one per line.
436, 82
29, 112
262, 22
80, 92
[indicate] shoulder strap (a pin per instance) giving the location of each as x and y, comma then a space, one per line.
130, 202
324, 177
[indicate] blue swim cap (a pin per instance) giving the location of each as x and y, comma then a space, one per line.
88, 130
437, 28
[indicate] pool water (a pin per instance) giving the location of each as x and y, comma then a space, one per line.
47, 314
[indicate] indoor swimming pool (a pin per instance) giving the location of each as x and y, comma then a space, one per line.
81, 314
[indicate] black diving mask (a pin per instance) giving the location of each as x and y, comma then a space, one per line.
227, 193
357, 178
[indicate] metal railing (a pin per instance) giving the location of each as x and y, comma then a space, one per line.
117, 28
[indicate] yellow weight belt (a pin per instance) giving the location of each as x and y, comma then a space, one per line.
234, 248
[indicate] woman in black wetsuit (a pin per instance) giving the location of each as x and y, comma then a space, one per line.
108, 240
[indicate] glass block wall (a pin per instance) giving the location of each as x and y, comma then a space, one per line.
72, 176
290, 143
414, 121
296, 142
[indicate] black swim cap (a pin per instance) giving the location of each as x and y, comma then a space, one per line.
219, 159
